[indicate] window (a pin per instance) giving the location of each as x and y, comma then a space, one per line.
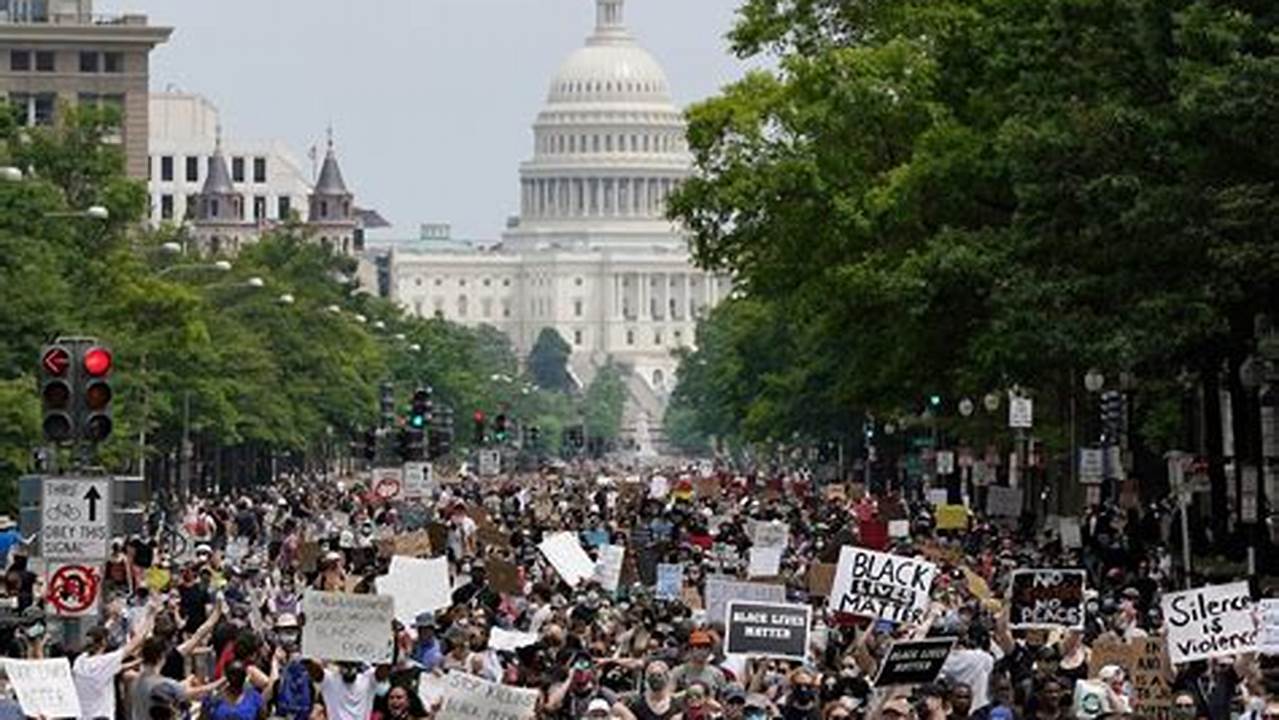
438, 282
193, 169
608, 143
259, 207
577, 282
595, 143
324, 208
417, 308
192, 202
259, 170
237, 169
461, 282
166, 207
657, 338
113, 62
284, 207
630, 337
506, 308
679, 337
20, 60
44, 105
461, 306
487, 282
577, 308
486, 307
166, 168
213, 207
577, 337
506, 282
45, 61
88, 62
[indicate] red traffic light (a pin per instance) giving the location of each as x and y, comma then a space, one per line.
55, 361
479, 416
97, 361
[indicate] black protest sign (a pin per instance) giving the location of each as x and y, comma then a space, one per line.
1046, 599
771, 630
914, 662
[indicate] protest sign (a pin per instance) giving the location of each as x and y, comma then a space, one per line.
492, 536
44, 687
1268, 626
707, 487
347, 628
1047, 598
1210, 621
608, 571
439, 535
913, 662
510, 640
952, 517
1003, 501
820, 577
880, 585
976, 584
1090, 699
938, 496
670, 581
765, 562
898, 529
769, 534
414, 544
1143, 662
768, 630
309, 557
503, 576
564, 552
1071, 534
721, 589
466, 697
417, 585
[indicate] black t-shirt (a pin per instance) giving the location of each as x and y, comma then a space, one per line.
195, 601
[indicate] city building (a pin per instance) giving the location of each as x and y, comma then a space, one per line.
591, 253
56, 52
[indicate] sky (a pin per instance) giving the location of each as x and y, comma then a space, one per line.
431, 101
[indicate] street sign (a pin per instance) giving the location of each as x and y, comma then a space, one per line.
1021, 413
418, 479
75, 516
388, 482
490, 463
1091, 466
74, 588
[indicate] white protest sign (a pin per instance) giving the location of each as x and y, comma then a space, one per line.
770, 534
1071, 533
658, 487
1021, 413
1268, 626
880, 585
510, 640
898, 528
44, 687
1090, 699
564, 552
608, 571
347, 628
721, 589
1210, 621
765, 562
670, 581
467, 697
417, 586
75, 517
938, 496
419, 479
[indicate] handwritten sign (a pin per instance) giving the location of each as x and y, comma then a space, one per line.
564, 552
44, 687
414, 544
770, 534
721, 589
820, 578
1143, 662
765, 562
467, 697
347, 628
1046, 599
952, 517
881, 585
1211, 621
670, 581
417, 586
1268, 626
608, 571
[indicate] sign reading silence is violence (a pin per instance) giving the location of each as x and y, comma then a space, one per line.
1210, 621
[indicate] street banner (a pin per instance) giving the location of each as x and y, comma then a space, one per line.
765, 562
952, 517
347, 628
1211, 621
1047, 599
1003, 501
769, 534
914, 662
564, 552
768, 630
44, 687
881, 586
1143, 662
467, 697
608, 570
720, 589
1268, 626
417, 585
670, 581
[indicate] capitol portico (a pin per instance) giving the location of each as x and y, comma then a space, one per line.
591, 253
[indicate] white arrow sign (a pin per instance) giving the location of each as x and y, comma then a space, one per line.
75, 519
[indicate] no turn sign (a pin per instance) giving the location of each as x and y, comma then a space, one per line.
73, 589
388, 482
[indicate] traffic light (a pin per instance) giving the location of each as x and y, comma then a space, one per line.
441, 440
1114, 411
387, 391
479, 427
370, 445
534, 437
56, 376
500, 428
420, 409
97, 422
934, 401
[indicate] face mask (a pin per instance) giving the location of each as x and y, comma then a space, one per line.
656, 682
383, 688
803, 694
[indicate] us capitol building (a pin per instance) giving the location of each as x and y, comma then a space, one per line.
590, 253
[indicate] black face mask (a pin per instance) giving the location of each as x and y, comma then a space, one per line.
802, 695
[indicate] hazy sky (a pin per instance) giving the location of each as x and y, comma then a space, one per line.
431, 100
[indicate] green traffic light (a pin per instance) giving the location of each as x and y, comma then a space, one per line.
935, 400
418, 421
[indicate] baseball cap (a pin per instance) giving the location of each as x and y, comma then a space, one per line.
700, 638
598, 705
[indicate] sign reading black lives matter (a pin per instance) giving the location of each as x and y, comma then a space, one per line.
914, 662
768, 630
1047, 599
881, 586
1209, 622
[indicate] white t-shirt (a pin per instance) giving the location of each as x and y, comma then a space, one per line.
972, 668
459, 535
348, 702
93, 676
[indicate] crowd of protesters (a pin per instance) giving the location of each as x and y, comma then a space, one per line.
203, 616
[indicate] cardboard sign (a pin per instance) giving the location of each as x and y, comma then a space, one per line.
977, 585
914, 662
707, 488
952, 517
765, 562
1046, 599
1211, 621
347, 628
608, 570
439, 535
503, 576
309, 557
768, 630
466, 697
881, 586
416, 544
1143, 662
44, 687
492, 536
721, 589
1003, 501
836, 493
564, 552
820, 578
1268, 626
670, 581
417, 585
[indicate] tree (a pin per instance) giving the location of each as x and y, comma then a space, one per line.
603, 403
548, 361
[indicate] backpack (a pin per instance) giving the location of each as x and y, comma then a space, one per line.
293, 699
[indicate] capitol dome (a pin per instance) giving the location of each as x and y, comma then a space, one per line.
609, 144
